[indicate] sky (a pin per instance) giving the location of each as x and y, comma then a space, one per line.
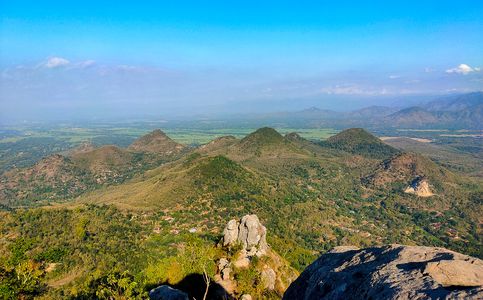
81, 59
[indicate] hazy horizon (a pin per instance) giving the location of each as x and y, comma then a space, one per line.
114, 60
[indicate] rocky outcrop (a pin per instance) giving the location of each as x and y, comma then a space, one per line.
455, 273
245, 240
390, 272
165, 292
249, 233
419, 187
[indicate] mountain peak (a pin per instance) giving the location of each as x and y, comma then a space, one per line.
156, 142
157, 132
354, 135
359, 141
262, 137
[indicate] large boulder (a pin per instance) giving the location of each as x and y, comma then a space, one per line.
390, 272
249, 233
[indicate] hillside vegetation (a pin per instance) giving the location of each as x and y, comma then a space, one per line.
360, 142
163, 222
61, 177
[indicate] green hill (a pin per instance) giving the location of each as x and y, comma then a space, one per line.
360, 142
262, 139
60, 177
156, 142
52, 178
298, 178
347, 191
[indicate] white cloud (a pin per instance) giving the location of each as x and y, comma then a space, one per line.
86, 63
394, 76
55, 62
463, 69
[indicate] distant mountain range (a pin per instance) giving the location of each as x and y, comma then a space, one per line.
462, 111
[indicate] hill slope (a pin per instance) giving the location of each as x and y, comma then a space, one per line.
310, 196
295, 177
156, 142
59, 177
53, 177
360, 142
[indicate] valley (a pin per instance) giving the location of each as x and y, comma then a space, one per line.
165, 204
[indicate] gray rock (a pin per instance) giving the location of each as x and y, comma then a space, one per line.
165, 292
249, 232
456, 272
230, 233
390, 272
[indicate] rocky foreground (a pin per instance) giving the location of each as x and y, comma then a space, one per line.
387, 272
390, 272
244, 246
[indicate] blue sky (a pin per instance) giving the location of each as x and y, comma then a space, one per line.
79, 57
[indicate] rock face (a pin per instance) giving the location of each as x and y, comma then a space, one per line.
419, 187
230, 233
244, 240
251, 235
165, 292
450, 273
248, 232
390, 272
